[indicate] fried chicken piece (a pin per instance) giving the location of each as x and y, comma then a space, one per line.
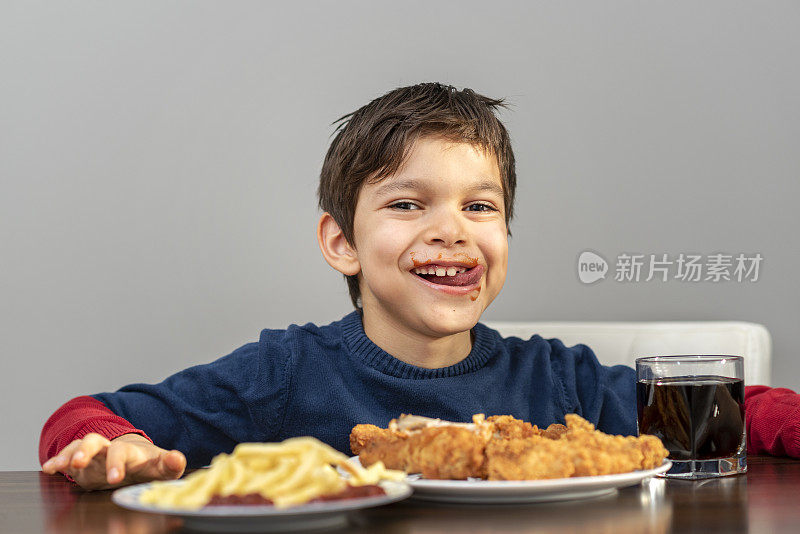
578, 450
653, 451
502, 448
531, 458
373, 444
437, 449
447, 452
597, 453
362, 435
554, 431
507, 426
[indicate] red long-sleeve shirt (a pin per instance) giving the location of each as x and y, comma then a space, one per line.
772, 416
75, 419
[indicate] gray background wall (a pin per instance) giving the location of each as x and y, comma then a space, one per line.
159, 164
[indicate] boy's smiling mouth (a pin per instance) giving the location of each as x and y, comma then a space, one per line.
456, 279
449, 275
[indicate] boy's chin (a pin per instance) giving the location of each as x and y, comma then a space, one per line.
448, 324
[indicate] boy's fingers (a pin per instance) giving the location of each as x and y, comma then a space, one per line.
61, 460
89, 446
172, 464
115, 463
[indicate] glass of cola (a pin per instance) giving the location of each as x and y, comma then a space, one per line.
695, 405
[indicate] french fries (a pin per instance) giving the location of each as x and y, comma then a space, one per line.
288, 473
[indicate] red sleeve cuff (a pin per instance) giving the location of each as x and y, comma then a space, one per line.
773, 421
78, 417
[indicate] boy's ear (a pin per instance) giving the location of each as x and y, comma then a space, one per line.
335, 248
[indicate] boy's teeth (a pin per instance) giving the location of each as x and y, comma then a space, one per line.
439, 270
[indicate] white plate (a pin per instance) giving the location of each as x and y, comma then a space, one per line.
478, 491
264, 518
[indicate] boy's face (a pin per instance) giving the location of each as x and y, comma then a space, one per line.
442, 211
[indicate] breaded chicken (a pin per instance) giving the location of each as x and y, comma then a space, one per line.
578, 451
554, 431
502, 448
421, 445
507, 426
447, 453
531, 458
603, 454
363, 435
373, 444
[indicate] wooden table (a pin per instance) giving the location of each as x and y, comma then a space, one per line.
766, 499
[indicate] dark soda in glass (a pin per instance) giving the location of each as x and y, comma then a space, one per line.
697, 417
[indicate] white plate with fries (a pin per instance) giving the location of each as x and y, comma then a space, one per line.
289, 474
479, 491
257, 518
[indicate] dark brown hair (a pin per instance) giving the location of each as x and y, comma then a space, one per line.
373, 142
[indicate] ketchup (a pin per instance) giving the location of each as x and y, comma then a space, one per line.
349, 492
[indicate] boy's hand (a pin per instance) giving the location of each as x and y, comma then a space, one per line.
96, 463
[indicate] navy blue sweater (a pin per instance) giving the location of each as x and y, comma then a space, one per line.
323, 380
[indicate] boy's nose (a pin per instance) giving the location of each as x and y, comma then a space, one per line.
445, 230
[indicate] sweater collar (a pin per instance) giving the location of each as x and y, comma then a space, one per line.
363, 348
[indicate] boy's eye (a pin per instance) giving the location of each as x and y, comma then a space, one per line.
480, 206
404, 206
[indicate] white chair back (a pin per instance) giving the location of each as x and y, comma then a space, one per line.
621, 343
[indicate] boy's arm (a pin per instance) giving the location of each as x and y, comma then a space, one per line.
773, 421
210, 408
78, 417
200, 411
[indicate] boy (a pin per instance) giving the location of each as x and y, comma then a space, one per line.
417, 191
